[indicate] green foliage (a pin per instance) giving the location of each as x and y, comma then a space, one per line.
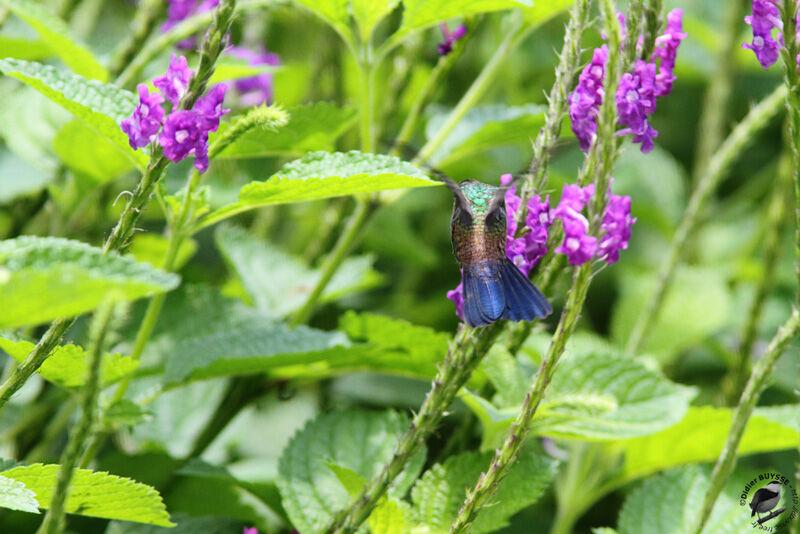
99, 106
438, 495
311, 127
54, 34
15, 496
85, 151
152, 248
356, 440
68, 364
368, 13
95, 494
75, 277
325, 175
21, 48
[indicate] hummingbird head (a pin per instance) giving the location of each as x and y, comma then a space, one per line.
476, 202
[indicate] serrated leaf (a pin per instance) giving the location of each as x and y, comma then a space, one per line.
15, 496
95, 494
483, 128
594, 396
82, 149
55, 34
68, 365
278, 283
419, 14
350, 480
368, 13
333, 12
74, 277
311, 127
699, 437
391, 516
22, 48
508, 380
325, 175
670, 503
439, 493
100, 106
358, 440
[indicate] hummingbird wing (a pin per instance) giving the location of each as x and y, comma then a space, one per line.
524, 301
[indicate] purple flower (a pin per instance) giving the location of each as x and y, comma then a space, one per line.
179, 10
526, 251
446, 46
587, 97
615, 228
764, 19
578, 246
209, 107
175, 82
457, 296
184, 135
147, 118
636, 99
255, 90
667, 50
250, 530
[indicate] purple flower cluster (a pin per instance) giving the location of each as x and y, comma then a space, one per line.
255, 90
637, 91
446, 46
179, 10
764, 19
184, 132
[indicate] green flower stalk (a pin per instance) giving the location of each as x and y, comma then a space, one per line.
731, 148
605, 149
755, 385
54, 520
119, 239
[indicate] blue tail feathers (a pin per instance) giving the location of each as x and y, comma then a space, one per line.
498, 290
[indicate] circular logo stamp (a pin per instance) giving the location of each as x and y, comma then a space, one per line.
771, 501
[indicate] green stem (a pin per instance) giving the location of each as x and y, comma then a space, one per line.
54, 520
468, 348
367, 81
362, 214
513, 37
605, 149
755, 385
652, 25
145, 20
756, 119
634, 21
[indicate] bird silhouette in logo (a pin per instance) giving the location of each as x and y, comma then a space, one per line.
765, 499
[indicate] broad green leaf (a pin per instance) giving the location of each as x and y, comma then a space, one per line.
357, 440
82, 149
101, 107
594, 396
21, 48
671, 502
325, 175
368, 13
439, 494
392, 516
695, 306
278, 283
68, 365
95, 494
349, 479
152, 248
18, 178
54, 33
14, 495
483, 128
419, 14
787, 415
311, 127
699, 437
74, 277
508, 380
334, 12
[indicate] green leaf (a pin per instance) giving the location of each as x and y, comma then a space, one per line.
279, 283
350, 480
699, 437
312, 127
54, 33
542, 11
333, 12
438, 495
505, 375
21, 48
74, 277
696, 305
391, 516
14, 495
68, 365
95, 494
82, 149
152, 248
368, 13
357, 440
669, 504
28, 124
325, 175
101, 107
594, 396
125, 413
419, 14
18, 178
483, 128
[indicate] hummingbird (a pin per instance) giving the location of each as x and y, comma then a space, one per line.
494, 288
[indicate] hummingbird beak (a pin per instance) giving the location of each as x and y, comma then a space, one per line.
458, 194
